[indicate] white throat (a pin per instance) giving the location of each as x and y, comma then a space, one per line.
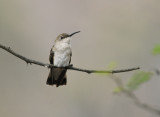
63, 44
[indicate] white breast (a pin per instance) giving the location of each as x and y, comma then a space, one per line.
62, 54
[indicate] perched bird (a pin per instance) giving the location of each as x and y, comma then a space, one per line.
60, 56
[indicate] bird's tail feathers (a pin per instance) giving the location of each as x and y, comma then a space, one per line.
57, 76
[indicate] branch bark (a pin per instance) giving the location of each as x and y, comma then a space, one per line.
30, 61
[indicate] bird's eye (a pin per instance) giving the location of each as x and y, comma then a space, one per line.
61, 37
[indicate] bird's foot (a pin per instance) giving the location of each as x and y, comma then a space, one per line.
71, 65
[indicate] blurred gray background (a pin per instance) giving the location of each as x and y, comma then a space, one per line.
124, 31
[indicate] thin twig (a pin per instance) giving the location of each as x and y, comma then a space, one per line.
30, 61
132, 96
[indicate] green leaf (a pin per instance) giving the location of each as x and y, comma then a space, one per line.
112, 65
138, 79
117, 90
156, 50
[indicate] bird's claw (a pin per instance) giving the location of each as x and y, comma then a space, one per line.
71, 65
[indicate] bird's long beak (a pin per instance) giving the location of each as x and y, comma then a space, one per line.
74, 33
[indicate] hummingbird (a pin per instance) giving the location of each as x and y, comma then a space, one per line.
60, 56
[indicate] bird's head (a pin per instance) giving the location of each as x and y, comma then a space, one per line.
64, 37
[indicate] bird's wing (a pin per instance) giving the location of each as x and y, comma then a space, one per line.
70, 58
51, 56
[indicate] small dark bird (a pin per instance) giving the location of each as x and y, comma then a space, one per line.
60, 56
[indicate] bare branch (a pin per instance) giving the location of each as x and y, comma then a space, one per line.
135, 99
117, 80
27, 60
